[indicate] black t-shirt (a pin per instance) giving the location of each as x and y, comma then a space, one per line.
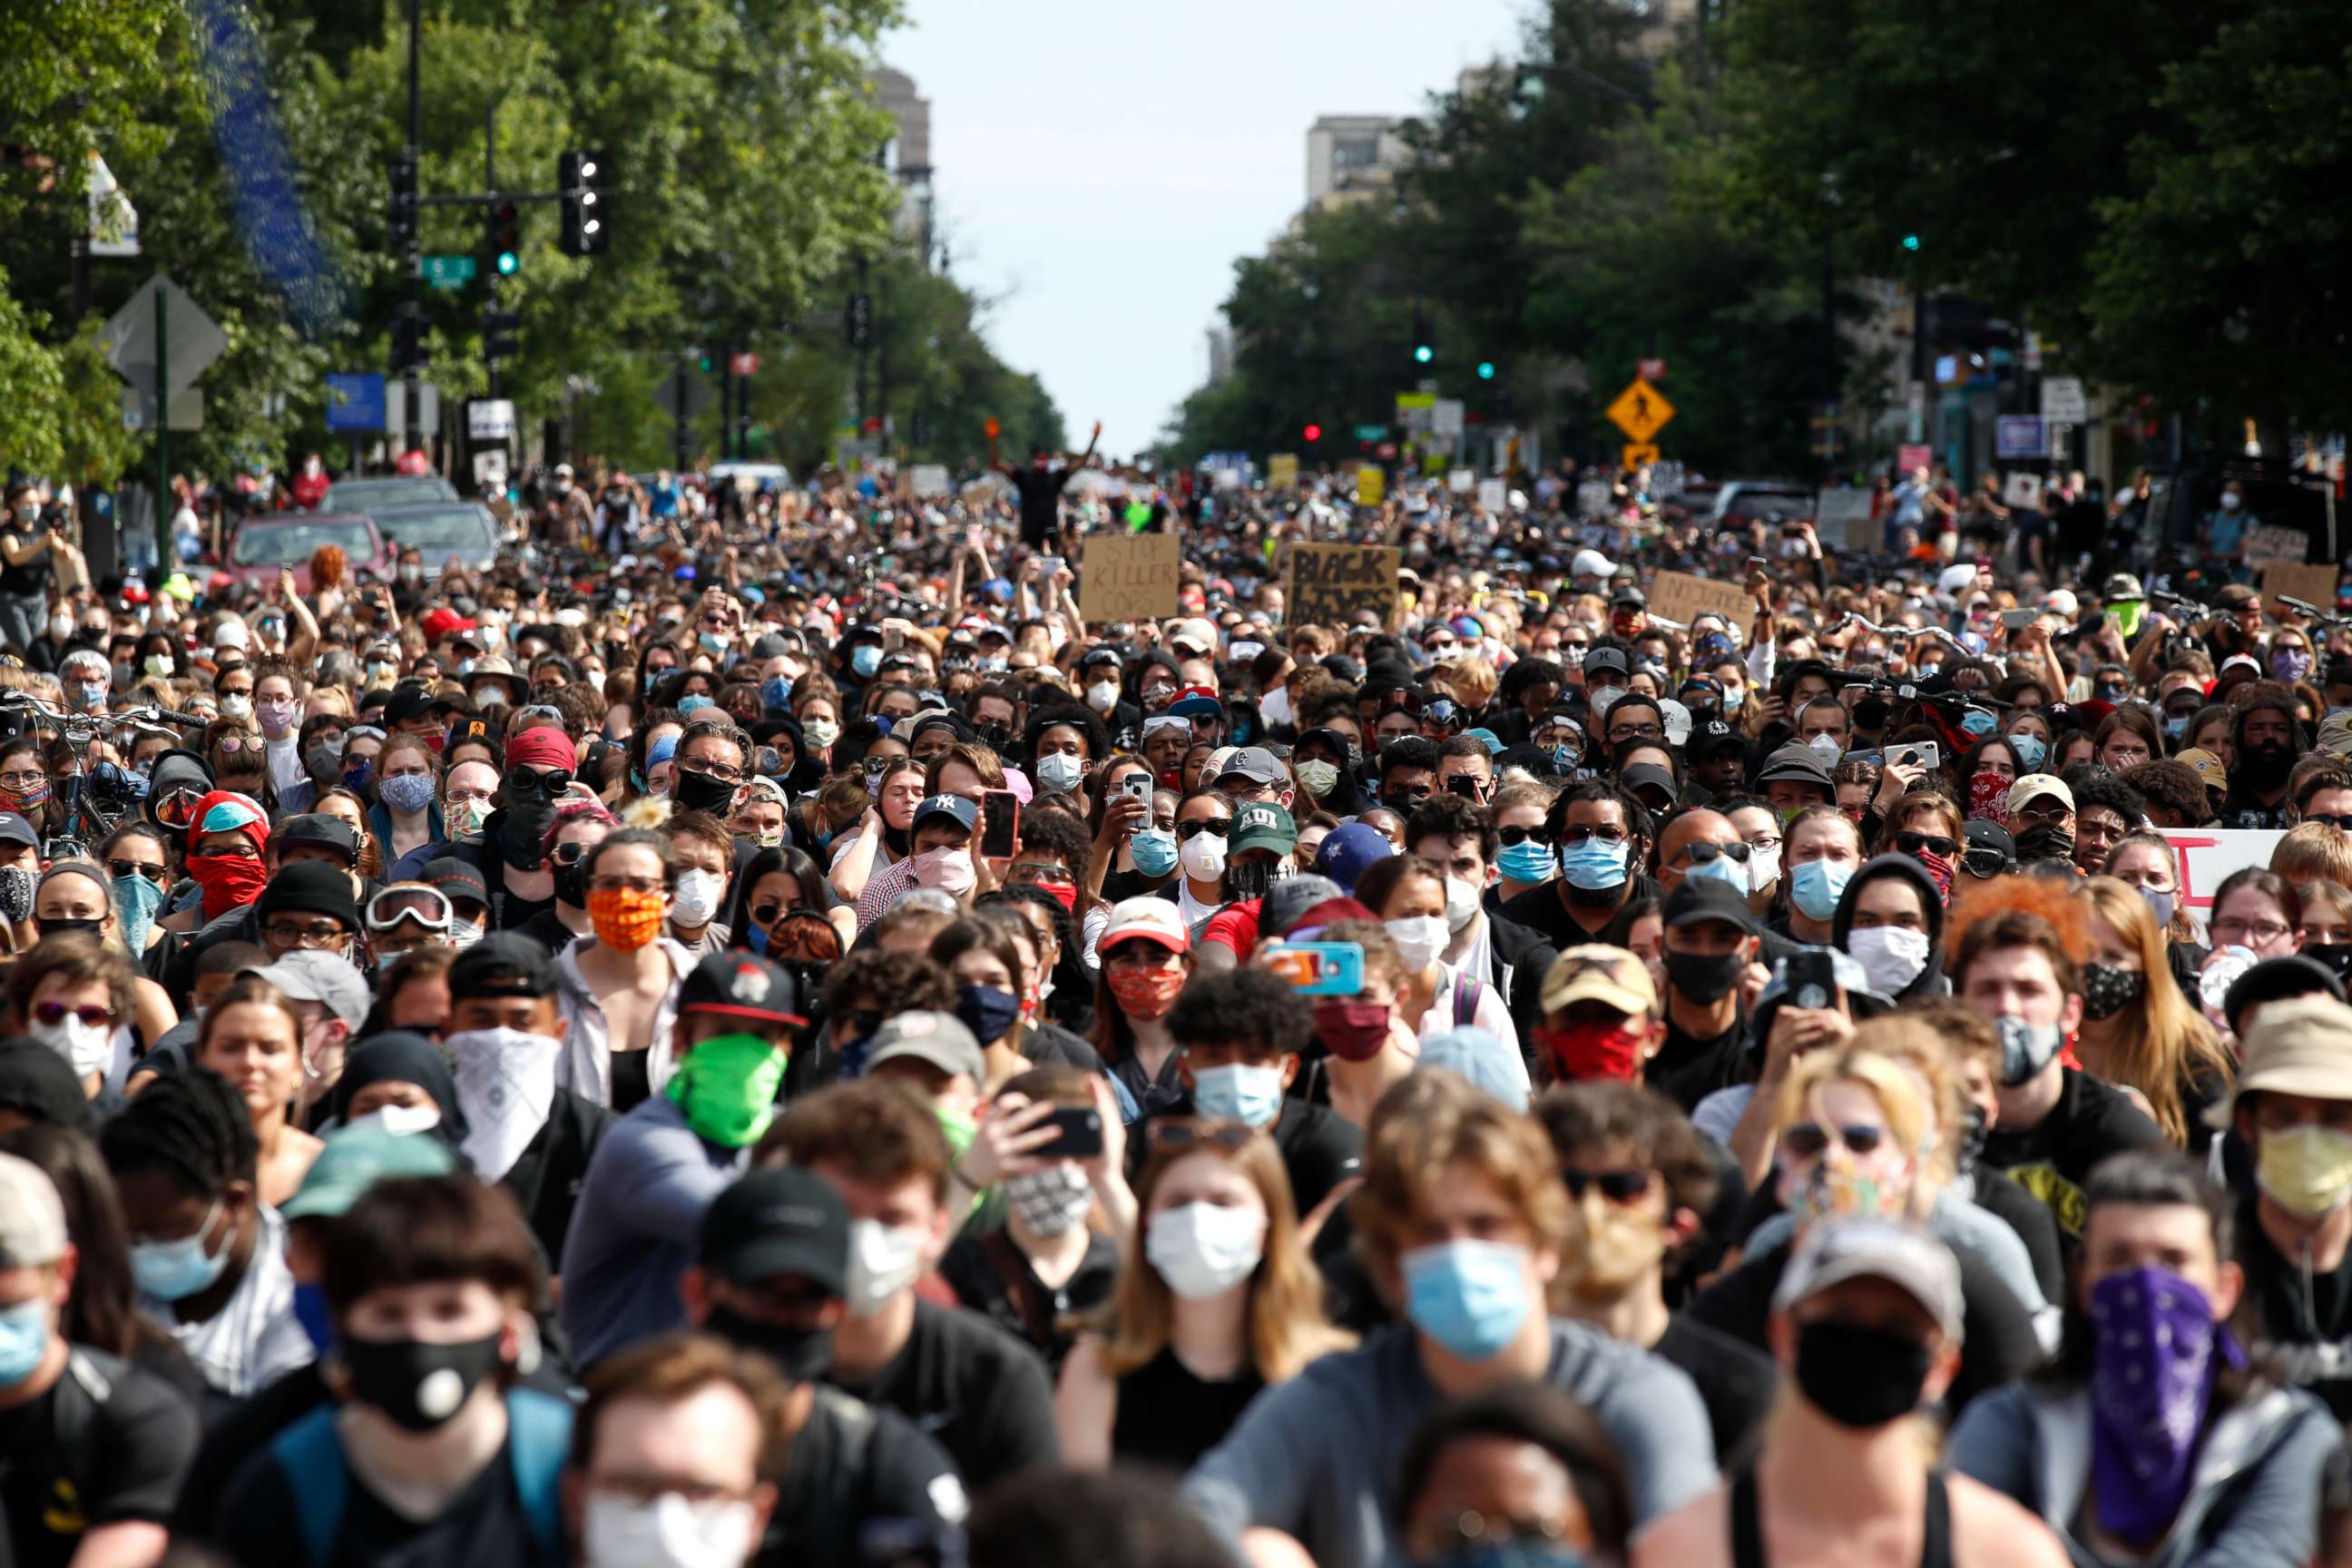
853, 1465
486, 1525
1121, 886
1688, 1069
108, 1444
1735, 1380
974, 1389
1540, 909
1041, 499
976, 1269
33, 576
2052, 1158
2300, 1336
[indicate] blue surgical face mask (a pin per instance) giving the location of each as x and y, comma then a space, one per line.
24, 1340
1816, 887
1526, 861
2159, 904
2031, 752
1153, 851
1722, 868
1469, 1296
175, 1270
1060, 770
712, 642
1242, 1092
866, 659
1733, 696
2177, 727
1978, 722
1596, 864
776, 692
693, 704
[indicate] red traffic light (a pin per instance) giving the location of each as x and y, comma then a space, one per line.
1314, 432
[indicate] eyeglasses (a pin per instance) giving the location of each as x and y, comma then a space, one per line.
1045, 874
1516, 835
1621, 735
2043, 811
134, 868
616, 883
428, 907
283, 935
1216, 826
1174, 1134
2237, 930
1617, 1186
1811, 1139
1700, 853
1568, 837
230, 745
1911, 843
725, 773
92, 1015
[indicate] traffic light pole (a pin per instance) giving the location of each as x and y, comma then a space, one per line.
490, 182
415, 392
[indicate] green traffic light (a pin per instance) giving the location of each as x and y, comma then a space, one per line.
1910, 242
1424, 353
508, 262
705, 362
1485, 370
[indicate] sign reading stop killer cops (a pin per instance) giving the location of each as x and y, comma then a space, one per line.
1130, 577
1330, 583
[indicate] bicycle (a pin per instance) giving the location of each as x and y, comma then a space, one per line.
99, 797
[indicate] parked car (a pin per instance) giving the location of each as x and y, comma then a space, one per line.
465, 530
272, 540
1741, 501
387, 489
749, 476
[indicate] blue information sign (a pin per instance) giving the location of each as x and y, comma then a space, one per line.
355, 400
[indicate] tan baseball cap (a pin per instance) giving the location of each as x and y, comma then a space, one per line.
2208, 767
2038, 787
1597, 973
2301, 1046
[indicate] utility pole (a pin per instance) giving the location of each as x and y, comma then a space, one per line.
490, 182
415, 259
859, 335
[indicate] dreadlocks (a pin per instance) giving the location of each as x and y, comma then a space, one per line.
190, 1125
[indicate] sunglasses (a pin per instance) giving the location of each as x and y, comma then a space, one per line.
1811, 1139
1174, 1134
134, 868
1700, 854
1518, 836
1617, 1186
1934, 843
538, 781
1217, 826
55, 1012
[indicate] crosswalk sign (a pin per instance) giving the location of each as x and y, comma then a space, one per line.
1641, 411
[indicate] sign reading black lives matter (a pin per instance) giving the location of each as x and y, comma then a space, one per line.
1330, 583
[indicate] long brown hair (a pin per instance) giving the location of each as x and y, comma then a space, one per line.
2160, 1039
1286, 1324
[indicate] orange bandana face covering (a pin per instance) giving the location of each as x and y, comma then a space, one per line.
624, 919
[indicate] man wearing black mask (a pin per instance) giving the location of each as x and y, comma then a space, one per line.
541, 764
2268, 740
711, 753
774, 1278
1711, 944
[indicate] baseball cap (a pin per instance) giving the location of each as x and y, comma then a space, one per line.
1350, 850
355, 1158
2039, 786
774, 1222
2122, 585
2210, 769
1592, 564
1709, 736
1145, 918
1254, 763
1700, 899
1796, 761
938, 1039
1479, 1057
1649, 776
741, 985
14, 829
316, 830
1261, 825
2061, 602
1837, 1249
1197, 705
2302, 1044
32, 1216
954, 805
456, 877
503, 963
308, 976
1596, 972
1991, 846
1601, 658
1290, 898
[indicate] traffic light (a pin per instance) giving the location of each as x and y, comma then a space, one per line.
408, 350
506, 238
400, 210
1313, 433
1425, 348
1910, 242
1485, 370
586, 180
860, 321
498, 328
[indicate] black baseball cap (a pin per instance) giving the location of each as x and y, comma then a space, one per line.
1706, 898
741, 985
316, 830
1606, 658
778, 1222
504, 963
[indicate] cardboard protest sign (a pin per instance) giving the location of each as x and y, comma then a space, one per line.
1371, 485
1330, 583
2312, 584
1678, 595
1281, 472
1130, 577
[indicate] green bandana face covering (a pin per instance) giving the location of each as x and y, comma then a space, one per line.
727, 1086
961, 1131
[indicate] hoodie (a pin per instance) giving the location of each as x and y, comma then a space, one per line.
1931, 981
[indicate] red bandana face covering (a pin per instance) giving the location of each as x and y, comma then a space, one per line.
1585, 1052
1942, 871
1146, 994
229, 881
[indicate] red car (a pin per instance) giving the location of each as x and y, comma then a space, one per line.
289, 538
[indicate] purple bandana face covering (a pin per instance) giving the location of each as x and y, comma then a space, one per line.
2151, 1378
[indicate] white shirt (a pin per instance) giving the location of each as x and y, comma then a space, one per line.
254, 1339
1490, 1014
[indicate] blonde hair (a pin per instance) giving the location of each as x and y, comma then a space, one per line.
2313, 852
1285, 1325
2159, 1040
1473, 680
1921, 1048
1901, 1093
1422, 1129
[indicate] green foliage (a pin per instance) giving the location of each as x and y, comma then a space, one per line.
32, 383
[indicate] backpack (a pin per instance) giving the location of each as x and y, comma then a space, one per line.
538, 1439
1467, 996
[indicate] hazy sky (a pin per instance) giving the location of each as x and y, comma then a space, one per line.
1100, 167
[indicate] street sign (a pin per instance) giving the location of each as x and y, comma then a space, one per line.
138, 410
448, 271
195, 338
1653, 369
491, 420
1445, 417
744, 364
1386, 451
2062, 402
682, 392
428, 406
1641, 411
1414, 411
355, 400
1908, 459
1637, 452
1372, 432
2020, 435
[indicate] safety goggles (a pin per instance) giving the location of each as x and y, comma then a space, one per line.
428, 907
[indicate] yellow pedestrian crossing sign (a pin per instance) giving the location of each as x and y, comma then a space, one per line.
1641, 411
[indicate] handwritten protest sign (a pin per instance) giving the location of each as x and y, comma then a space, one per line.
1330, 583
2207, 856
2312, 584
1281, 472
2271, 542
1130, 577
1371, 485
1678, 595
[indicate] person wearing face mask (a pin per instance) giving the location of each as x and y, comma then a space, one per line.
1712, 944
619, 984
1867, 1328
429, 1282
1461, 838
1641, 1179
942, 853
2010, 962
511, 854
206, 1256
2182, 1451
87, 678
984, 1395
660, 1166
80, 1423
1890, 920
705, 853
1600, 837
1368, 1044
1464, 1219
406, 817
1408, 896
25, 561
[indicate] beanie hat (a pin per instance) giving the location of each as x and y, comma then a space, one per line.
312, 888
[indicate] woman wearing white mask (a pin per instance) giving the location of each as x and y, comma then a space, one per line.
1408, 893
1892, 921
1219, 1300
